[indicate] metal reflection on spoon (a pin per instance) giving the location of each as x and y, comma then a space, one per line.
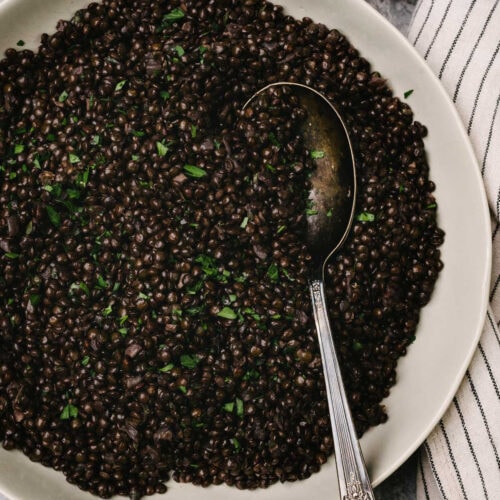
332, 197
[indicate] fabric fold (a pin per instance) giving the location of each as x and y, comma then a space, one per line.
460, 41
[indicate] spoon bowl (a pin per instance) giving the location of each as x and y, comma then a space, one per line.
332, 199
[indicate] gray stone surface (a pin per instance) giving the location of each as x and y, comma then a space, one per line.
398, 12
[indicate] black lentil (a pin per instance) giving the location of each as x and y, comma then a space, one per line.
154, 312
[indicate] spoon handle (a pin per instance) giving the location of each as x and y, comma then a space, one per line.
354, 481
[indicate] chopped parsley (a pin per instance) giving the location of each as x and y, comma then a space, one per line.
18, 149
74, 158
11, 255
34, 299
54, 216
180, 51
101, 282
174, 15
408, 93
161, 148
188, 361
239, 407
107, 310
244, 223
316, 155
229, 407
365, 217
194, 171
63, 96
236, 444
166, 368
85, 360
68, 412
273, 273
120, 85
357, 346
227, 313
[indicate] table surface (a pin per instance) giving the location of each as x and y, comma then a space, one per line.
401, 484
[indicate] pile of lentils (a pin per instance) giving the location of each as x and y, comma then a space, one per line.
155, 319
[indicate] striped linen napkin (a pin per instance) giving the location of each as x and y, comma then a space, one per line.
460, 40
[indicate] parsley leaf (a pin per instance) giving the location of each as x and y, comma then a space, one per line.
69, 411
174, 15
194, 171
166, 368
227, 313
316, 155
161, 148
63, 96
365, 217
189, 361
120, 85
54, 216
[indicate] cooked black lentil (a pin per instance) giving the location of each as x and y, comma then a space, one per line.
154, 313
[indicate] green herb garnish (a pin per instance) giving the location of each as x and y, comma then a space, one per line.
11, 255
74, 158
408, 93
227, 313
229, 407
86, 360
34, 299
244, 223
174, 15
101, 282
54, 216
166, 368
273, 273
194, 171
180, 51
189, 361
183, 389
120, 85
18, 148
365, 217
316, 155
239, 407
69, 411
357, 346
161, 148
107, 310
63, 96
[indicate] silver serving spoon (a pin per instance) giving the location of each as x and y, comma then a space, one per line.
333, 195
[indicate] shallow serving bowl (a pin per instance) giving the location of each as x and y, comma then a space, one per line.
451, 323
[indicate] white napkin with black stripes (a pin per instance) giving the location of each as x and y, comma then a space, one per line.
460, 40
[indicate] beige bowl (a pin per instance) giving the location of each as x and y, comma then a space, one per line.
450, 325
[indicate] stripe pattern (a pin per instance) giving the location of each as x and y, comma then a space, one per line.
460, 40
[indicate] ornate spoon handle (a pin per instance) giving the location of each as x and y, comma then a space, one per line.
353, 479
